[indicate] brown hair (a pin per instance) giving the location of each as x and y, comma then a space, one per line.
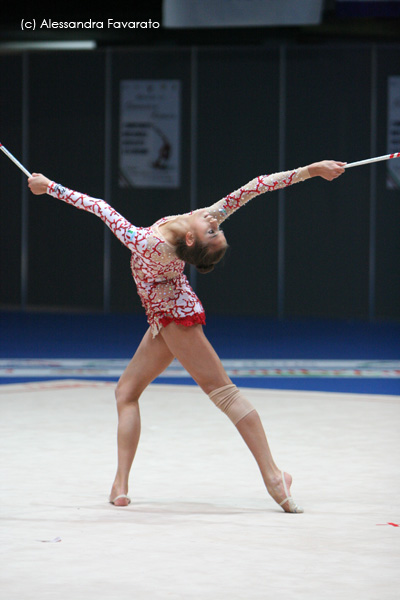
202, 256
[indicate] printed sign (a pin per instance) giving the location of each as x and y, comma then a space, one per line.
150, 115
393, 132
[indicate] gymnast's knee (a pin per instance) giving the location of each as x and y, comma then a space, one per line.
126, 393
230, 400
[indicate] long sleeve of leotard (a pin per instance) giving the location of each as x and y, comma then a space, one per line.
121, 228
222, 209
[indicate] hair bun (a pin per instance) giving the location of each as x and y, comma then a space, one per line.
205, 269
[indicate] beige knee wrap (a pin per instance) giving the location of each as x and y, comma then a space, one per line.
230, 400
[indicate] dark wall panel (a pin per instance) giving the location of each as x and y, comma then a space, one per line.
330, 256
11, 180
66, 135
327, 224
387, 290
238, 135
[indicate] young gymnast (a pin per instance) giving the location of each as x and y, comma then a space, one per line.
176, 316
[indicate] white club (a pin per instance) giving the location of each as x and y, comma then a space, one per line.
11, 157
372, 160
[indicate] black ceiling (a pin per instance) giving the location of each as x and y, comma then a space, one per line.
332, 28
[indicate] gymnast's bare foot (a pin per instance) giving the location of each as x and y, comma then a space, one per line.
119, 496
279, 489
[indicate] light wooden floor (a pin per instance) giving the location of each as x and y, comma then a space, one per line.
200, 526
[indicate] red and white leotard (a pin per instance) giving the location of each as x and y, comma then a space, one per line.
162, 286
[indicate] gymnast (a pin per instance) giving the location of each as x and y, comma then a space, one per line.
176, 316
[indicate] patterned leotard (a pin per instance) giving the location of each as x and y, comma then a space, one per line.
163, 288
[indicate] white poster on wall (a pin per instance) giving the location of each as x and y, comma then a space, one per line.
150, 115
393, 133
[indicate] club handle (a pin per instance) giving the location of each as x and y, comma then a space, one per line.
14, 160
372, 160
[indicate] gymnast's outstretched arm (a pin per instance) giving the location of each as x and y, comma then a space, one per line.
327, 169
121, 228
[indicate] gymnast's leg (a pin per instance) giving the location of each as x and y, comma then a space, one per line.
191, 347
151, 358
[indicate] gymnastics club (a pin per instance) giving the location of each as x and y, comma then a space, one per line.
11, 157
372, 160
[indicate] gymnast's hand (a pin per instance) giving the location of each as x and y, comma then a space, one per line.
38, 183
328, 169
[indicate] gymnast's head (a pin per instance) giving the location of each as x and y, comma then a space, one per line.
204, 244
